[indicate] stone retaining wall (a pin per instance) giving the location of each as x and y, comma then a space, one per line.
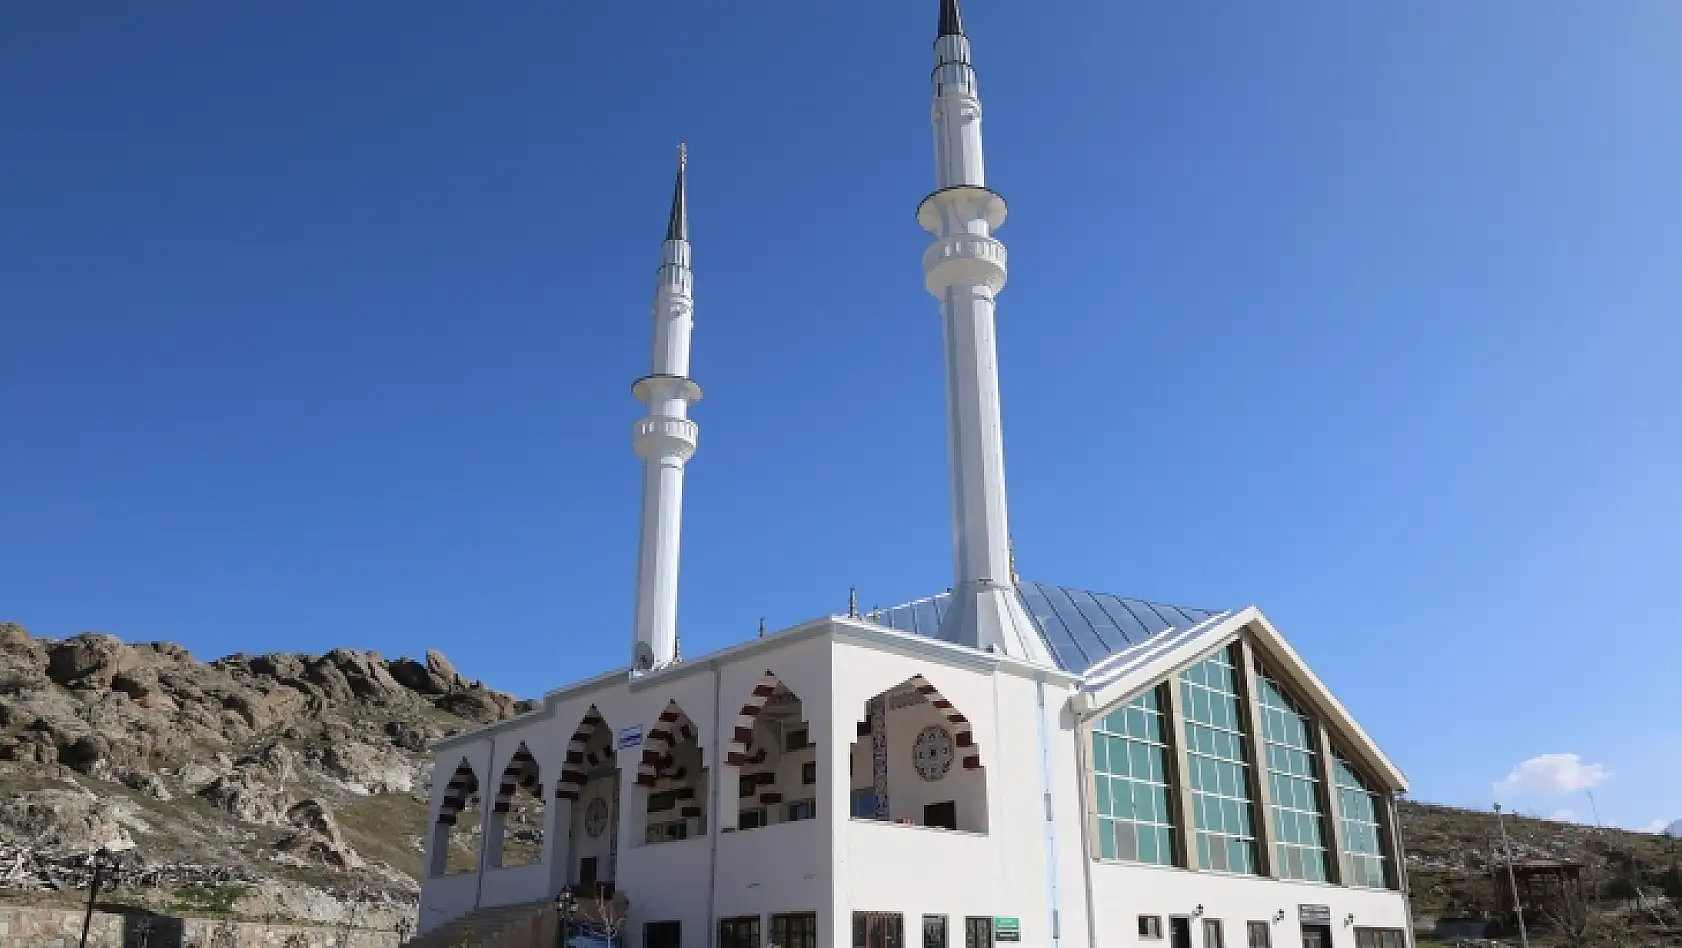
34, 927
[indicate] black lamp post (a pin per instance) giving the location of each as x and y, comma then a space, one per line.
103, 860
565, 902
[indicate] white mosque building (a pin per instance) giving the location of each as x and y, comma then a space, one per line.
1008, 761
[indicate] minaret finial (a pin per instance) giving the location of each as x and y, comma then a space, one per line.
677, 227
761, 626
853, 603
951, 19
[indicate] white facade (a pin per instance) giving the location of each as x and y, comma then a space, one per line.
1156, 776
1024, 847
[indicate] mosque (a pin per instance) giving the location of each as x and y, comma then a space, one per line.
1006, 762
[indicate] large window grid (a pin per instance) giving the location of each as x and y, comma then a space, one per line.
741, 932
1216, 766
1288, 739
1363, 830
1130, 766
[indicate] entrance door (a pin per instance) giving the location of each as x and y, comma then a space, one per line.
944, 815
1316, 936
587, 876
662, 935
1179, 932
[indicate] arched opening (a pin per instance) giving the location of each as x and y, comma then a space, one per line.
457, 833
916, 762
774, 758
589, 781
516, 822
672, 780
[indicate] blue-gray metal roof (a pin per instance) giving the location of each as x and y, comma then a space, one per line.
1081, 628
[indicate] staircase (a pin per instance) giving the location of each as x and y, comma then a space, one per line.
527, 925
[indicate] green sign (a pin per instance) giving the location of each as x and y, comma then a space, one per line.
1007, 929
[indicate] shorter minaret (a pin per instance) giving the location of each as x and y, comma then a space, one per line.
665, 440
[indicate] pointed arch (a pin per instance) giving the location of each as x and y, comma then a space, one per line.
673, 728
579, 756
740, 750
463, 785
520, 774
963, 736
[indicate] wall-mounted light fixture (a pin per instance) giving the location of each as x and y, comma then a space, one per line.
1199, 912
1279, 916
1349, 919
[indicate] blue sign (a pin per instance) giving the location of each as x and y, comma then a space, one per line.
630, 737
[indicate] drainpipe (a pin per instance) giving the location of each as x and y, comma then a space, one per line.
717, 812
1050, 817
484, 834
1083, 787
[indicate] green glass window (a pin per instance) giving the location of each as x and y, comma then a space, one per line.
1298, 827
1216, 766
1130, 770
1363, 830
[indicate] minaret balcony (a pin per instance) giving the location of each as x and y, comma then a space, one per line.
662, 437
964, 260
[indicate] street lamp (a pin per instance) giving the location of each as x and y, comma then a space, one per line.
565, 903
109, 858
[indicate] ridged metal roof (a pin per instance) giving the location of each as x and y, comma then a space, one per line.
1081, 628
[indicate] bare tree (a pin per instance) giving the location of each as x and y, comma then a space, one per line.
1569, 908
612, 912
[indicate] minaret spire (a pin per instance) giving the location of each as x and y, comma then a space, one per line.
951, 18
665, 440
677, 226
965, 270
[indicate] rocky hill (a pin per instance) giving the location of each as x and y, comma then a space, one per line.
292, 786
279, 785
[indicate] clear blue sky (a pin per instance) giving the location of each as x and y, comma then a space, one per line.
318, 323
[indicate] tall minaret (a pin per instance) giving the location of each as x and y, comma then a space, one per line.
965, 268
665, 440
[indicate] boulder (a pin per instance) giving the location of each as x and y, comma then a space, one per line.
370, 768
441, 667
90, 660
13, 635
417, 677
318, 838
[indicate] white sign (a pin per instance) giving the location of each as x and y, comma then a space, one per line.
630, 737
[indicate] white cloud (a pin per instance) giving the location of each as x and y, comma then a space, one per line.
1552, 773
1566, 815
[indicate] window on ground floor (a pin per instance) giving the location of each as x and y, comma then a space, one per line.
1261, 935
878, 930
1380, 938
1150, 926
740, 932
863, 804
751, 818
978, 932
802, 810
1212, 935
795, 930
934, 931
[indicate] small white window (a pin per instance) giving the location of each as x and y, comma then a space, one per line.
1150, 926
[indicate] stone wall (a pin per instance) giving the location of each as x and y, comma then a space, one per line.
34, 927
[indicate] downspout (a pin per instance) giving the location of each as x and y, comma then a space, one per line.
1051, 879
1083, 754
717, 804
484, 835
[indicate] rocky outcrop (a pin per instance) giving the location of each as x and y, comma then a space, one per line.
238, 771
